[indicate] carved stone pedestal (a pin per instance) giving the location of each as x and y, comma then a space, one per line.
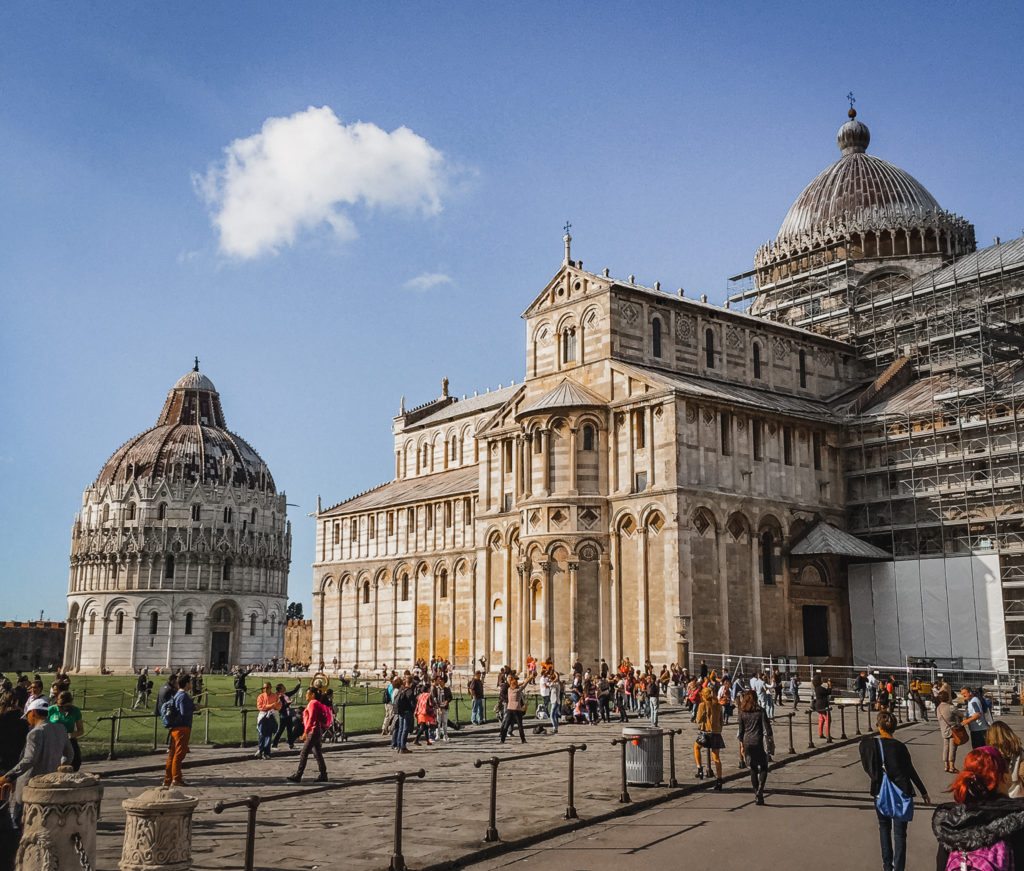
158, 830
60, 814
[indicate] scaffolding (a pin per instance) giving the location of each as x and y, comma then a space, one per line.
933, 451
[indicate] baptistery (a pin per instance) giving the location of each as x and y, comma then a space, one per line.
180, 552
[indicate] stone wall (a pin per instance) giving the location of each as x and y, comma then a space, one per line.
31, 646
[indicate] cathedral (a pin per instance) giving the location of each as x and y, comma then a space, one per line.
825, 469
180, 553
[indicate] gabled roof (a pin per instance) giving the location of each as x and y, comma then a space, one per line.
734, 394
453, 482
567, 394
471, 405
824, 538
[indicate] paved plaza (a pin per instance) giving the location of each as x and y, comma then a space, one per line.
817, 798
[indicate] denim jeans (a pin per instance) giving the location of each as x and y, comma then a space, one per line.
652, 703
555, 712
399, 737
893, 836
478, 711
266, 728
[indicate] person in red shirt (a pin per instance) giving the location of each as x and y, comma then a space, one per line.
316, 717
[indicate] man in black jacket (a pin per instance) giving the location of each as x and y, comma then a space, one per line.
900, 770
405, 706
167, 692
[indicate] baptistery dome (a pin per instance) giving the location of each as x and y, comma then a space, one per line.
180, 552
190, 441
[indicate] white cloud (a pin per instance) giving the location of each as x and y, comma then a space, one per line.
303, 171
428, 280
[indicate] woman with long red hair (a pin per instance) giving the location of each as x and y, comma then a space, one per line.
983, 827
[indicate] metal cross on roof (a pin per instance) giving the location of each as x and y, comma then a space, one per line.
851, 99
196, 367
568, 226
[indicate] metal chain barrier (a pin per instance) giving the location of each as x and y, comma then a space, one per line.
83, 859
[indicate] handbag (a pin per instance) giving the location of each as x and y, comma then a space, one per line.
702, 738
891, 801
959, 734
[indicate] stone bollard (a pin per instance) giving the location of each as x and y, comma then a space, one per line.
158, 830
59, 816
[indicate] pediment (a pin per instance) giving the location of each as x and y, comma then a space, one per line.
569, 284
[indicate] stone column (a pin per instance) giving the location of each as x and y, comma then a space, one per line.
317, 654
545, 456
528, 465
103, 642
574, 568
643, 606
170, 637
433, 616
756, 585
60, 813
452, 589
549, 611
573, 489
158, 831
650, 447
615, 575
376, 619
135, 636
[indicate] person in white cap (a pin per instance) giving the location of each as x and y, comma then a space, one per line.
47, 746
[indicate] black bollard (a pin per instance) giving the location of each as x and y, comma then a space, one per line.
856, 718
810, 731
842, 721
245, 718
624, 795
792, 749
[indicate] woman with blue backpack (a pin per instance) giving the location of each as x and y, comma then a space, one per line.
982, 829
893, 778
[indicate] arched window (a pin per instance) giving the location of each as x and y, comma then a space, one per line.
252, 517
757, 361
169, 566
161, 511
709, 348
455, 449
443, 578
188, 623
273, 624
405, 588
656, 337
153, 621
803, 368
92, 623
569, 344
226, 570
337, 532
767, 557
106, 513
222, 615
252, 624
366, 592
535, 601
196, 512
588, 437
119, 623
373, 525
131, 510
228, 514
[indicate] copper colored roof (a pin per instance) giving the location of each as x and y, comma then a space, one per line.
191, 439
858, 187
453, 482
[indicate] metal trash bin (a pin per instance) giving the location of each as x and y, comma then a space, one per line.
644, 756
677, 695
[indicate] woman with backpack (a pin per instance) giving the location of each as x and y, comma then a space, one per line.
756, 737
976, 720
982, 828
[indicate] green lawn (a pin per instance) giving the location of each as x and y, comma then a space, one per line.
218, 721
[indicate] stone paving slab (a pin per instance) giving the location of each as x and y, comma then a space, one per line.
445, 813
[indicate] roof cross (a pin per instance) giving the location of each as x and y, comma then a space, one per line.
196, 367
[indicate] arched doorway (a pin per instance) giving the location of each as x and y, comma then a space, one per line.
223, 636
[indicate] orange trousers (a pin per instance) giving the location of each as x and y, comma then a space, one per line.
177, 748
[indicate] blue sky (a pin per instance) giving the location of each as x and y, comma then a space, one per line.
317, 292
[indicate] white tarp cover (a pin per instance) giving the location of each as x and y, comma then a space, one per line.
944, 608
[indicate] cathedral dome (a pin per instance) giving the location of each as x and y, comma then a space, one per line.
858, 188
190, 442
